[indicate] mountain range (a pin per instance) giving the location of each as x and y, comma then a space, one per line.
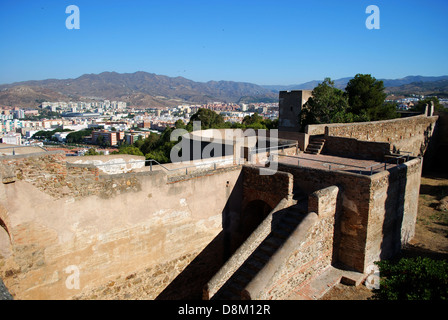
342, 83
151, 90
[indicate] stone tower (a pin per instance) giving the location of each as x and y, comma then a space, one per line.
290, 106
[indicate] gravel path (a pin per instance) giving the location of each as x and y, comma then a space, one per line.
4, 293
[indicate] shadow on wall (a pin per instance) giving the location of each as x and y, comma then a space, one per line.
251, 216
271, 244
337, 229
394, 214
189, 283
437, 150
5, 241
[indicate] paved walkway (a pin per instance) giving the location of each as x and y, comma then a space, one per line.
320, 161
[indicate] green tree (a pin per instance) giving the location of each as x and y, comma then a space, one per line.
255, 118
43, 134
327, 105
48, 134
271, 124
366, 94
387, 111
92, 152
158, 147
180, 124
148, 144
209, 119
101, 141
78, 136
130, 150
159, 156
421, 104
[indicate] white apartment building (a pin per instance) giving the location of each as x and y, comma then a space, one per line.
12, 138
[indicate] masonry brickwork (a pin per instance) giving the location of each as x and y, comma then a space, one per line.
305, 255
369, 207
144, 230
406, 134
269, 187
107, 226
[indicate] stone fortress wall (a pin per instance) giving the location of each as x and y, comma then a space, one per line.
56, 214
59, 215
404, 134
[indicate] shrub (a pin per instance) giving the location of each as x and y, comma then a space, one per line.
413, 279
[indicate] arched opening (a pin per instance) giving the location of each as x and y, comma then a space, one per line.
253, 214
5, 241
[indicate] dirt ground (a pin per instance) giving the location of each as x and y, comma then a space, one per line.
431, 233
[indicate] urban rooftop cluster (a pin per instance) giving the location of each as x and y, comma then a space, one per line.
111, 122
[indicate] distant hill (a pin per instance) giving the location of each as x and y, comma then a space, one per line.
310, 85
411, 79
143, 89
138, 89
437, 88
342, 83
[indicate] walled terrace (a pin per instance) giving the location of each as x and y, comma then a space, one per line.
285, 226
331, 225
273, 224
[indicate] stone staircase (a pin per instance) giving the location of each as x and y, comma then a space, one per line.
289, 255
283, 224
315, 144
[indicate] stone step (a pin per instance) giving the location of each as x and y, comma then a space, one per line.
282, 234
273, 242
240, 281
236, 288
286, 227
285, 222
262, 256
230, 291
292, 220
352, 278
302, 208
247, 273
315, 145
267, 250
255, 265
224, 295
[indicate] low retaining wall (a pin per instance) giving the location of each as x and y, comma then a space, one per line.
410, 134
113, 164
356, 149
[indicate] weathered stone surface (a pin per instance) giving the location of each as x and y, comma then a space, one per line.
269, 188
406, 134
60, 216
443, 204
129, 235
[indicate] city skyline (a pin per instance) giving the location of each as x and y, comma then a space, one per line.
261, 42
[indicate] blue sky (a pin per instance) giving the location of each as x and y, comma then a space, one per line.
258, 41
